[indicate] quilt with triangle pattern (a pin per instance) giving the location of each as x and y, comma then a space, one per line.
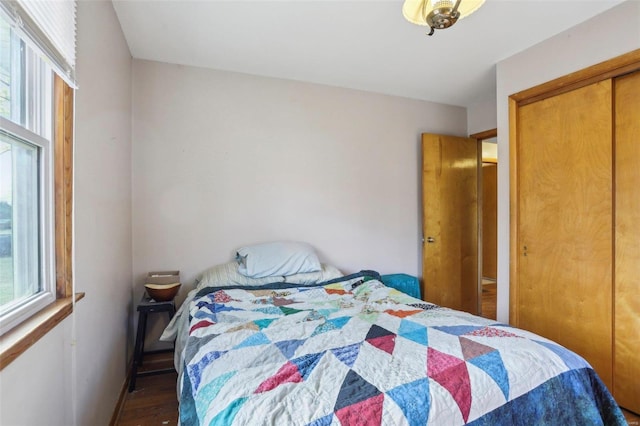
371, 355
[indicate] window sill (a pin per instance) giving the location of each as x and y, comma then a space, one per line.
23, 336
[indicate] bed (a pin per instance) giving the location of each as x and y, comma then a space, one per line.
321, 349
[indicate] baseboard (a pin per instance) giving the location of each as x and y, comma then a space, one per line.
123, 394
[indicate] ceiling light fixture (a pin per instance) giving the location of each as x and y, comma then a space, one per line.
438, 14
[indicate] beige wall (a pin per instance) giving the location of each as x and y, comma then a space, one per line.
224, 159
610, 34
42, 374
481, 115
102, 211
74, 374
490, 149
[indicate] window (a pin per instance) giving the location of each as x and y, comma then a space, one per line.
37, 73
27, 226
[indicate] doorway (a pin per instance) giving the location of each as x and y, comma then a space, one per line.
488, 214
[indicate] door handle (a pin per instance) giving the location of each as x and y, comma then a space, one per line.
431, 240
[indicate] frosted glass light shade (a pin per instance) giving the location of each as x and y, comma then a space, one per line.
416, 11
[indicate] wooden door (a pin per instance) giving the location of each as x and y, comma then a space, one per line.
565, 222
450, 221
626, 370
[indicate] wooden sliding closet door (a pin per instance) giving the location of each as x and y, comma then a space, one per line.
626, 380
564, 221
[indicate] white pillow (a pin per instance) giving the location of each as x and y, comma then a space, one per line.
227, 274
277, 259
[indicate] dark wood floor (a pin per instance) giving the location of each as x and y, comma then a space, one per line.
489, 299
632, 419
154, 401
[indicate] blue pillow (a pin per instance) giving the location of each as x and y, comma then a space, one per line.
277, 259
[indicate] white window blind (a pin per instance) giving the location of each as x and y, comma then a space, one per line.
50, 27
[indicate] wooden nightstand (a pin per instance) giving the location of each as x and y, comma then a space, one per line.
145, 308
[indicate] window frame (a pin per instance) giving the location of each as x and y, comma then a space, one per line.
23, 336
46, 231
63, 106
28, 126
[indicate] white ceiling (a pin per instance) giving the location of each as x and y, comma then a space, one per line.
365, 45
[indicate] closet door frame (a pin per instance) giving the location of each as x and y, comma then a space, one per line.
612, 68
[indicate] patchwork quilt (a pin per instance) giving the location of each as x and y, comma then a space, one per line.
365, 354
